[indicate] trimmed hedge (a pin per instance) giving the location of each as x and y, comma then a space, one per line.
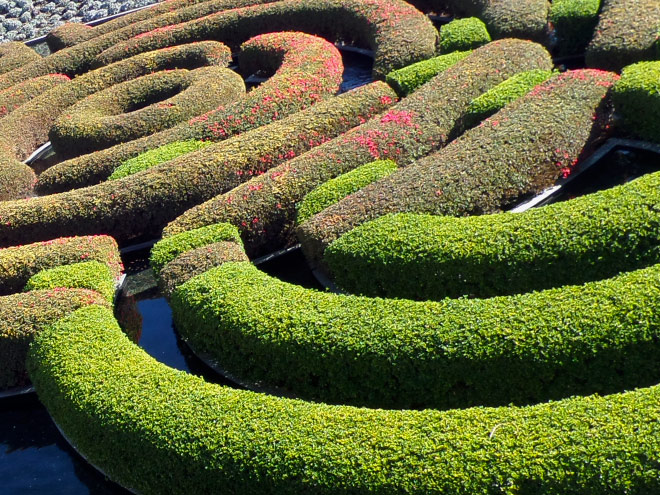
136, 419
409, 78
15, 54
143, 203
636, 98
627, 32
495, 99
156, 156
308, 69
91, 275
521, 150
397, 32
574, 22
168, 249
23, 315
462, 35
138, 108
430, 257
335, 189
19, 263
264, 208
21, 93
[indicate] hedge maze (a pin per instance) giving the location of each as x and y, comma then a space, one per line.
472, 351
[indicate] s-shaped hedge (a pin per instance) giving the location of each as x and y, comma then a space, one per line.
156, 429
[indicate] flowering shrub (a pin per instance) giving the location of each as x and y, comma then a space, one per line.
574, 22
15, 96
463, 34
92, 275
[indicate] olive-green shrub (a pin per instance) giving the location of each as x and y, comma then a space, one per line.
15, 54
574, 22
409, 78
463, 34
92, 275
137, 419
636, 98
15, 96
335, 189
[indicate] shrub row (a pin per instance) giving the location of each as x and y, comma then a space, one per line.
397, 32
409, 78
21, 93
463, 34
335, 189
14, 55
636, 98
574, 22
431, 257
520, 150
144, 202
264, 208
626, 32
92, 275
23, 315
137, 419
308, 69
137, 108
19, 263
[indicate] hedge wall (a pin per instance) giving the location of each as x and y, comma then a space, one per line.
21, 93
23, 315
138, 419
428, 257
636, 98
520, 150
143, 203
463, 34
397, 32
15, 54
264, 208
626, 32
574, 22
137, 108
92, 275
307, 69
19, 263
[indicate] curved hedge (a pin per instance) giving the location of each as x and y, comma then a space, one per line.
626, 32
137, 419
15, 54
520, 150
264, 207
463, 34
397, 32
23, 315
636, 98
307, 69
19, 263
574, 22
409, 78
21, 93
143, 203
427, 257
91, 275
137, 108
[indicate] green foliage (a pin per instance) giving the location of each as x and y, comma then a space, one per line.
495, 99
169, 248
574, 22
156, 156
409, 78
137, 419
341, 186
91, 275
636, 98
463, 34
627, 32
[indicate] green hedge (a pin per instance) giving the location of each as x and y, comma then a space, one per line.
92, 275
264, 207
143, 203
428, 257
23, 315
636, 98
138, 108
409, 78
169, 248
520, 150
156, 156
463, 34
307, 69
335, 189
21, 93
14, 55
495, 99
136, 419
397, 32
19, 263
626, 32
574, 22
